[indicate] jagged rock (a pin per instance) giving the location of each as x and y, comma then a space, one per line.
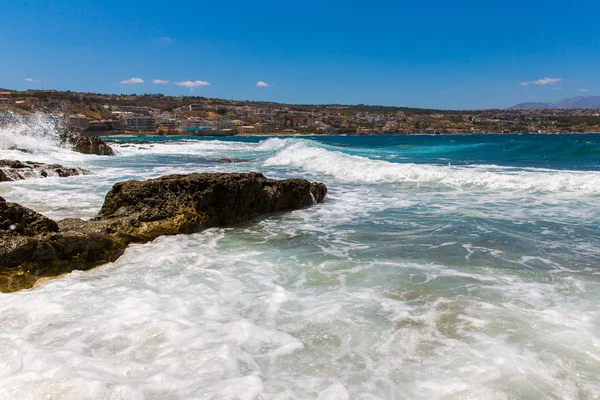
33, 246
21, 220
190, 203
2, 199
16, 170
86, 144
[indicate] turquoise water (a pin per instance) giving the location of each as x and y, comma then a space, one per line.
440, 267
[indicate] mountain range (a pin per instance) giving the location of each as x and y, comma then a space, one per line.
573, 102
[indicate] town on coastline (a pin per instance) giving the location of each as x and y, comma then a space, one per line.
157, 114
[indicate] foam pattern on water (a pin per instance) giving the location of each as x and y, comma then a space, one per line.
410, 281
351, 168
218, 315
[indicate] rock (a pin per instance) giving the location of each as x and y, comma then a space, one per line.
176, 204
2, 199
86, 144
16, 170
26, 259
17, 219
226, 160
33, 246
20, 232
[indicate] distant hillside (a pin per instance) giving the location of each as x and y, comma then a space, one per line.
573, 102
531, 105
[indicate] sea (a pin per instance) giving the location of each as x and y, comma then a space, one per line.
439, 267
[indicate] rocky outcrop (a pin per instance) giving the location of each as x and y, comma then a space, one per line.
86, 144
21, 220
189, 203
33, 246
16, 170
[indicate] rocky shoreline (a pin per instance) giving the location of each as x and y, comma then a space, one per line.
14, 170
33, 246
17, 170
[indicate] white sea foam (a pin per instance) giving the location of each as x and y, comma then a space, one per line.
205, 148
384, 291
311, 157
208, 316
35, 138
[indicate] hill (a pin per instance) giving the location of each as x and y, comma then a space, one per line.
573, 102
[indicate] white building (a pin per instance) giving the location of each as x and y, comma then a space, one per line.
138, 123
78, 121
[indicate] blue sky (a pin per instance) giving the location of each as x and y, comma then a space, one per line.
430, 53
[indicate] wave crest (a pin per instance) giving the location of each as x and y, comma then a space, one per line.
310, 157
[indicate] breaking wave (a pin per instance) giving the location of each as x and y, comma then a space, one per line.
35, 137
312, 157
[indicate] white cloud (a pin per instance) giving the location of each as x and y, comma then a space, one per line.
29, 80
159, 82
543, 81
583, 90
132, 81
262, 84
192, 84
166, 39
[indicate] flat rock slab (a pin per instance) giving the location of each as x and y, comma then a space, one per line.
33, 246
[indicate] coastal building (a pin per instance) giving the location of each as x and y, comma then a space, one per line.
138, 123
103, 125
5, 98
194, 123
167, 123
225, 123
78, 121
267, 127
247, 130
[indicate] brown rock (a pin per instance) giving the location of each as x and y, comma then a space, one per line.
11, 170
190, 203
86, 144
33, 246
15, 218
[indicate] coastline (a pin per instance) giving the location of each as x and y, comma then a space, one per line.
286, 134
274, 134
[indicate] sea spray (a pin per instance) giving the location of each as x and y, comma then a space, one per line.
35, 137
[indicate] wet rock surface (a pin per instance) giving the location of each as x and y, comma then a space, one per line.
21, 220
33, 246
17, 170
86, 144
226, 160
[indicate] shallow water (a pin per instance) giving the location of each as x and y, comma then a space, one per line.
439, 268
